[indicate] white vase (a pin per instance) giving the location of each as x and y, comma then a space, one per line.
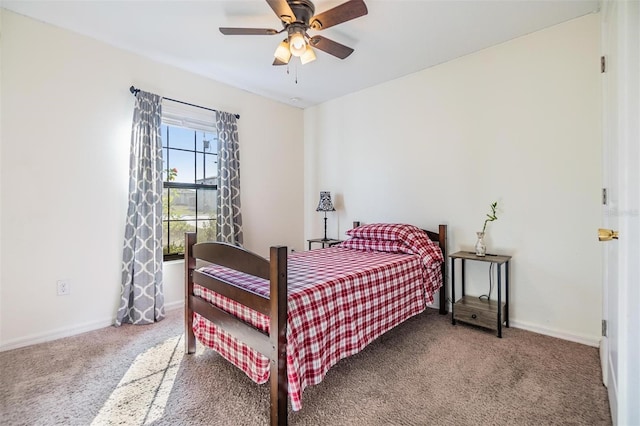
481, 248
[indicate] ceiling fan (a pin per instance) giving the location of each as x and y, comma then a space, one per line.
297, 18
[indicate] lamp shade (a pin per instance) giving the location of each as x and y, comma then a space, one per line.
325, 204
308, 56
283, 54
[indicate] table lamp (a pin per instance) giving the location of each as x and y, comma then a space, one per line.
325, 206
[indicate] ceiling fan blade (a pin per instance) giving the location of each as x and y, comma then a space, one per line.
331, 47
283, 10
277, 62
339, 14
248, 31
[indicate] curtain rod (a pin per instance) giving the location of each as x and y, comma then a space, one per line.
135, 91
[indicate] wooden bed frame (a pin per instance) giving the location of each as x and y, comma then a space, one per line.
273, 345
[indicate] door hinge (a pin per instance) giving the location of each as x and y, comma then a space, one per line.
604, 196
603, 64
604, 328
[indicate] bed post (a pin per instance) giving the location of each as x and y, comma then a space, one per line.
189, 266
278, 335
442, 240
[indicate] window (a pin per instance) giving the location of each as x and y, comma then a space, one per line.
190, 157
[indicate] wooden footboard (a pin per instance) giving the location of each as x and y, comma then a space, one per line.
273, 345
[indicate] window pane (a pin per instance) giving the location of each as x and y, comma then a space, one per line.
165, 169
211, 167
182, 203
165, 204
206, 142
206, 230
184, 163
207, 169
163, 134
165, 237
181, 138
206, 203
177, 228
199, 168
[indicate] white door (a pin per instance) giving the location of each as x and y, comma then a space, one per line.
620, 351
609, 341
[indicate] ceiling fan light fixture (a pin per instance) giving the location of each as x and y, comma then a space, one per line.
308, 56
283, 53
297, 17
297, 44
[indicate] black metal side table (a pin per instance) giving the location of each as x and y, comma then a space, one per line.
325, 243
484, 313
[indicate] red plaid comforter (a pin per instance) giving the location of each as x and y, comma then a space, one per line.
339, 300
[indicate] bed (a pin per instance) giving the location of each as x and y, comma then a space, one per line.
288, 319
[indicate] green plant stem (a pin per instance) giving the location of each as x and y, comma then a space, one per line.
490, 216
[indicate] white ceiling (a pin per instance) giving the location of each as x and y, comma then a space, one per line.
396, 37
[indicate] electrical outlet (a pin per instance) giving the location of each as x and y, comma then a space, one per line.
63, 288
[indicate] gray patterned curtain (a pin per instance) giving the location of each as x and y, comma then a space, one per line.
142, 300
229, 218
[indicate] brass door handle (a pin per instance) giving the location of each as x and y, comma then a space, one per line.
607, 234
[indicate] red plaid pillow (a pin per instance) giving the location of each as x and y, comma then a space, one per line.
414, 238
384, 231
375, 245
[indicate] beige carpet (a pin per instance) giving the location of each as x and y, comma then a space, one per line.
424, 372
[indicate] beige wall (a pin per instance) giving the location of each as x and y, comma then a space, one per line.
65, 134
518, 123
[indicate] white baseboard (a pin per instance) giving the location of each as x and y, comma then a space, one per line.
59, 333
604, 360
55, 334
174, 305
578, 338
583, 339
95, 325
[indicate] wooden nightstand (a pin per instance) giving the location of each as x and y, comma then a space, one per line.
470, 309
325, 243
